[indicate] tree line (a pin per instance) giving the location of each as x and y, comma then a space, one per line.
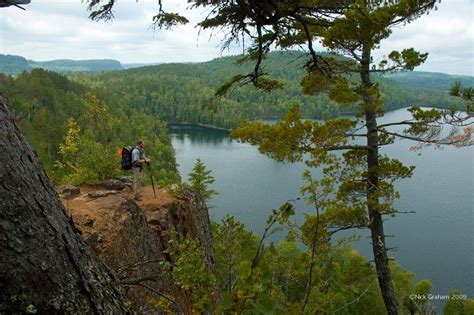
186, 92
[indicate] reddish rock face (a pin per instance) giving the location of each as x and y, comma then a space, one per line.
132, 238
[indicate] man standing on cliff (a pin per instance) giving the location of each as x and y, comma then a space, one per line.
138, 160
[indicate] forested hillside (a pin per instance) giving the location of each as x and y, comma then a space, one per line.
429, 80
77, 133
67, 65
177, 92
11, 64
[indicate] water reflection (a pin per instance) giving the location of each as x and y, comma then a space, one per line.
199, 135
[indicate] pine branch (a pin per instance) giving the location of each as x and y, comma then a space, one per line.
427, 140
348, 147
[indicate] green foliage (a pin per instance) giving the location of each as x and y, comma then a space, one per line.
466, 94
344, 282
233, 246
83, 159
191, 272
313, 83
417, 302
247, 292
178, 92
76, 130
458, 304
342, 93
168, 20
292, 137
200, 179
408, 59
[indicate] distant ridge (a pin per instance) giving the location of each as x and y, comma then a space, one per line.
433, 80
12, 64
139, 65
289, 65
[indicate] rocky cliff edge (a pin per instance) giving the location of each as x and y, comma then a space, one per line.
132, 237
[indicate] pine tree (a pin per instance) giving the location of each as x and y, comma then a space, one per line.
352, 30
200, 179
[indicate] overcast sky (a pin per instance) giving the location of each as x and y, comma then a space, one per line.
61, 29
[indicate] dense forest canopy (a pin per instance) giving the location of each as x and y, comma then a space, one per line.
429, 80
178, 92
76, 131
345, 283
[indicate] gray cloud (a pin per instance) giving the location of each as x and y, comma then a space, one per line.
53, 29
447, 34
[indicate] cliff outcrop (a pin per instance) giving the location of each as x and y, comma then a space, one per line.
132, 238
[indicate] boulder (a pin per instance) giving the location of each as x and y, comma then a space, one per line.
69, 191
102, 193
124, 179
113, 184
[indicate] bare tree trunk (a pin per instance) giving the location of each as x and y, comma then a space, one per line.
44, 263
376, 224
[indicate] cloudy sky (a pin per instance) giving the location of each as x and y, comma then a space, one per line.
61, 29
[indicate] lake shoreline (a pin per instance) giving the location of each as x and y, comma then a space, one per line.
182, 123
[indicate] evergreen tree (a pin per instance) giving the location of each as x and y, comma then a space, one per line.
354, 29
200, 179
364, 178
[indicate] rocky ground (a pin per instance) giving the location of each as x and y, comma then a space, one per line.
131, 237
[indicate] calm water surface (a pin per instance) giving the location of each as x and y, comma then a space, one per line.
437, 242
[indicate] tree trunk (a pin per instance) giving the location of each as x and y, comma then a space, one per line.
376, 224
45, 266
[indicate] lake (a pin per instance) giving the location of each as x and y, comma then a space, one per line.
436, 242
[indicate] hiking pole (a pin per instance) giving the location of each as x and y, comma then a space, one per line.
151, 177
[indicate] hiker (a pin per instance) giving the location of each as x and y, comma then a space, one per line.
138, 160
